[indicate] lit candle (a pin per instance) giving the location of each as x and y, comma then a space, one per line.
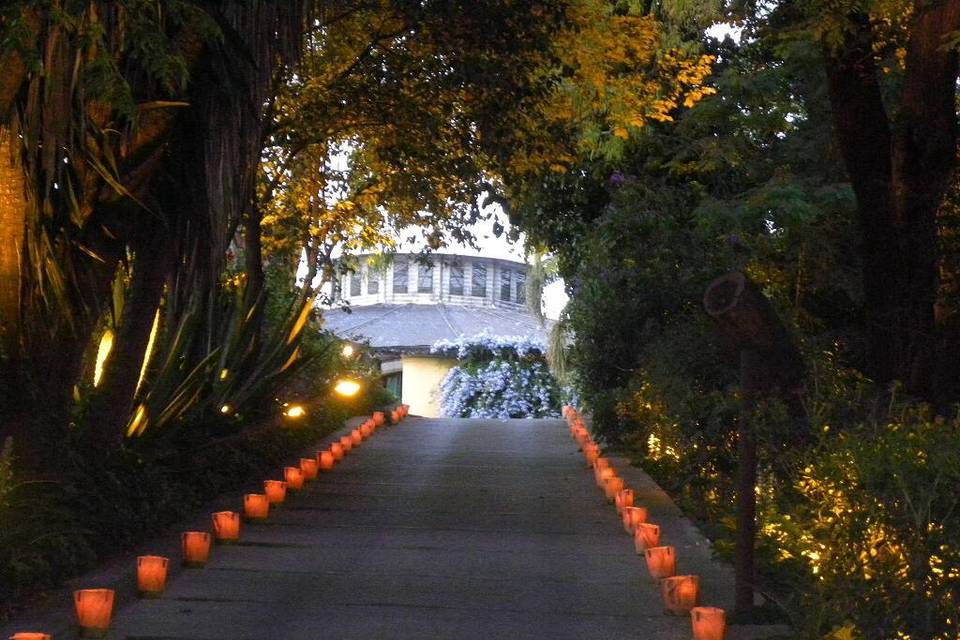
602, 471
293, 477
623, 499
151, 576
256, 507
406, 410
612, 486
337, 450
632, 516
379, 418
709, 623
276, 491
31, 635
356, 437
309, 467
661, 561
226, 527
325, 460
591, 453
680, 594
366, 429
196, 548
94, 609
645, 535
347, 443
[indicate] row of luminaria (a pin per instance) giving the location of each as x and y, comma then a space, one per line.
681, 594
94, 607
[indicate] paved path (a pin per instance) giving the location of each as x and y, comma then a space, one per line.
438, 529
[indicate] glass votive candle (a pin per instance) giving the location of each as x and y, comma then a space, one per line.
337, 450
645, 535
226, 527
195, 546
680, 594
347, 443
276, 491
709, 623
151, 576
309, 467
379, 418
661, 562
325, 460
366, 429
632, 516
256, 507
293, 477
356, 437
612, 486
624, 498
94, 609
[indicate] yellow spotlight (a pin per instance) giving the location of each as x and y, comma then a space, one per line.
103, 351
348, 350
225, 409
347, 388
295, 411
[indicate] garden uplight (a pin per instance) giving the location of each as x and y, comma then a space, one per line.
295, 411
348, 350
151, 575
347, 388
709, 623
94, 609
680, 594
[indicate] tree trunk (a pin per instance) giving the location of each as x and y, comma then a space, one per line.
770, 367
13, 211
899, 175
113, 404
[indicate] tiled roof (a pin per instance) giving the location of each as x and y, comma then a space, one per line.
417, 326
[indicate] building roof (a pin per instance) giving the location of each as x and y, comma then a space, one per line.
415, 327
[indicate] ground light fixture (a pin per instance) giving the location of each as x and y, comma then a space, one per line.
346, 387
294, 411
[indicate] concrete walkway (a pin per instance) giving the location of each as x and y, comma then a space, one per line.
440, 529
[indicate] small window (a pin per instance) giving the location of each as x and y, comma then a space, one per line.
425, 279
373, 282
354, 283
479, 281
521, 287
505, 285
400, 272
456, 280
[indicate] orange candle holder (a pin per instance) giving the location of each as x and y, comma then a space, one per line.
379, 418
276, 491
325, 460
611, 487
661, 562
356, 438
256, 507
366, 429
591, 453
196, 548
151, 575
623, 499
31, 635
709, 623
337, 450
293, 477
680, 594
347, 443
645, 536
602, 471
632, 516
226, 527
310, 468
94, 609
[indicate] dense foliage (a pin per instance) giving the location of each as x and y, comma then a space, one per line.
497, 377
857, 484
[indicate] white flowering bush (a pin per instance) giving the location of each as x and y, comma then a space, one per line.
498, 377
